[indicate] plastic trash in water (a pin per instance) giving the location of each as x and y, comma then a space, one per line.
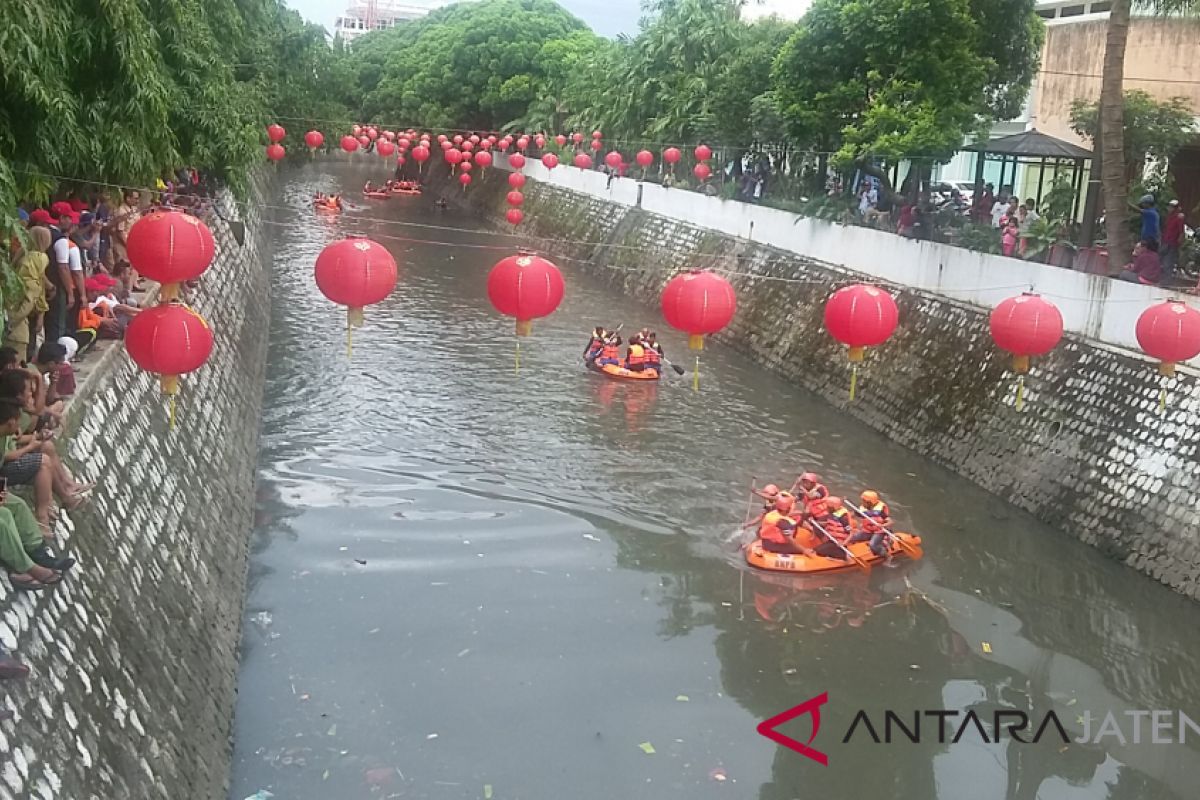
261, 794
262, 619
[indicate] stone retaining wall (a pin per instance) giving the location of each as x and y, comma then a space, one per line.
1090, 453
134, 656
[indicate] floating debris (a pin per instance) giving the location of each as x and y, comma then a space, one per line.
717, 774
262, 619
487, 791
681, 698
261, 794
987, 648
647, 748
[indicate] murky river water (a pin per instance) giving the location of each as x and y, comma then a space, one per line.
469, 583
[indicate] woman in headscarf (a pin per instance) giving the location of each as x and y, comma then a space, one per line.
26, 308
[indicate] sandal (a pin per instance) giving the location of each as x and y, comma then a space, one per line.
45, 576
25, 583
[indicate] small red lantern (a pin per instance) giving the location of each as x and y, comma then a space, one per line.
372, 134
614, 159
503, 145
1026, 326
475, 138
523, 143
596, 134
514, 216
597, 145
560, 140
550, 161
516, 180
458, 140
170, 247
515, 198
583, 161
540, 141
453, 157
275, 152
390, 136
357, 129
483, 158
465, 179
672, 155
703, 152
702, 171
314, 139
860, 316
645, 158
355, 272
516, 161
170, 340
364, 142
447, 145
526, 287
404, 143
699, 303
467, 147
466, 165
276, 133
349, 143
1169, 332
577, 138
385, 148
441, 138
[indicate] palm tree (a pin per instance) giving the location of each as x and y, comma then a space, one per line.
1112, 115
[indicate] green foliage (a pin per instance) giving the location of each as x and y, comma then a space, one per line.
1059, 199
903, 78
1154, 129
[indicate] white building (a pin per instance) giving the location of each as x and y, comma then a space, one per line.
377, 15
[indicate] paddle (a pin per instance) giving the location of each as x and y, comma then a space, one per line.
607, 339
907, 546
678, 369
866, 567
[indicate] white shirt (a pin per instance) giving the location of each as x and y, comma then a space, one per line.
74, 259
998, 211
62, 251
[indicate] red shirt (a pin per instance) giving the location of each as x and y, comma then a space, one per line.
1173, 234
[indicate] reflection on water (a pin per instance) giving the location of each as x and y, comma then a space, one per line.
522, 582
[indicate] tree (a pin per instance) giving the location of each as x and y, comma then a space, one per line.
894, 79
1112, 114
1153, 130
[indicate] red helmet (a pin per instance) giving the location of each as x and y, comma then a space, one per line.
784, 502
810, 477
834, 503
769, 491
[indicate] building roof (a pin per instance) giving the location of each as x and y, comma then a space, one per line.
1031, 143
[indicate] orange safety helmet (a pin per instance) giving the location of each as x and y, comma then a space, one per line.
784, 502
870, 497
834, 503
770, 491
810, 477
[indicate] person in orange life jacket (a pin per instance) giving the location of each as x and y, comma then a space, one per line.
595, 344
654, 352
768, 493
635, 357
877, 524
809, 487
778, 527
611, 352
837, 523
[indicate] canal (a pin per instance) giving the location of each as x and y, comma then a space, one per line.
472, 583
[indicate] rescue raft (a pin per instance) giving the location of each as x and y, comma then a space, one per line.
809, 565
377, 195
325, 208
619, 373
409, 189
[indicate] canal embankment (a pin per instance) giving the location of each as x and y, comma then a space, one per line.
1090, 453
134, 656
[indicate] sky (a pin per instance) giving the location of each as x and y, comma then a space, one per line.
606, 17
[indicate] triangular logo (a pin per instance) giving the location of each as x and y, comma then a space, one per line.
812, 707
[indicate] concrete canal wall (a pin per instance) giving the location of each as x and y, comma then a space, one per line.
134, 657
1090, 453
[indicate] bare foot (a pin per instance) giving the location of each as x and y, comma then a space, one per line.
44, 575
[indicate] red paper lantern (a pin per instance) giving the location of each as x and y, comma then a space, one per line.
466, 165
596, 134
404, 143
583, 161
170, 247
645, 158
515, 198
467, 147
453, 157
703, 153
515, 216
1169, 332
614, 159
275, 152
503, 145
372, 134
475, 139
597, 145
355, 272
390, 136
698, 303
170, 340
483, 158
540, 141
364, 142
401, 161
441, 138
516, 180
516, 161
385, 149
525, 287
550, 161
861, 316
349, 143
314, 139
421, 154
672, 155
357, 129
465, 180
523, 143
577, 138
560, 140
447, 145
458, 140
1026, 325
702, 171
485, 145
276, 133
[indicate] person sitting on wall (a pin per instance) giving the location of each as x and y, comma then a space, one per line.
28, 461
16, 387
1145, 267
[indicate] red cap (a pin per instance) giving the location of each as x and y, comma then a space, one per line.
61, 209
99, 283
40, 216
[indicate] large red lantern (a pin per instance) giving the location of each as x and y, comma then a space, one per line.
275, 152
860, 316
703, 152
516, 161
514, 216
702, 171
170, 340
314, 139
614, 159
515, 198
526, 287
699, 303
1025, 326
276, 133
516, 180
170, 247
583, 161
1169, 332
550, 161
355, 272
421, 155
453, 158
385, 148
349, 143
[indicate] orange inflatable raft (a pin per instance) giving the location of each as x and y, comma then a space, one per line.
377, 195
322, 207
409, 188
621, 374
809, 565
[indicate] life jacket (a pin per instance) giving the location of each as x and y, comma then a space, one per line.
806, 537
652, 357
877, 513
636, 356
840, 523
816, 505
610, 351
771, 529
88, 319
